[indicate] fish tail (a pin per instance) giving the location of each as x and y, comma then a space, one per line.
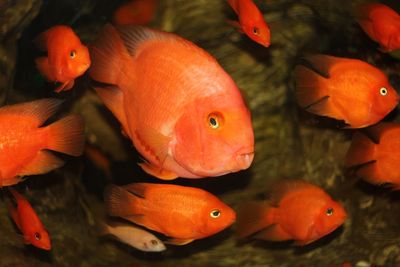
310, 87
361, 151
67, 135
253, 217
119, 202
107, 56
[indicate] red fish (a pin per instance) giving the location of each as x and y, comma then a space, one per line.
67, 58
29, 223
182, 213
24, 144
183, 112
297, 210
251, 21
135, 12
381, 23
376, 154
344, 89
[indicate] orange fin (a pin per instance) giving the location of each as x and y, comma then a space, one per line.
157, 172
41, 41
322, 64
38, 111
234, 5
361, 151
67, 135
14, 215
43, 65
253, 217
138, 189
279, 188
107, 55
113, 98
12, 181
65, 86
273, 233
44, 162
121, 203
178, 241
310, 87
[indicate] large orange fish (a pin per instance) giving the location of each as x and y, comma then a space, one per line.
24, 144
67, 58
344, 89
251, 21
182, 111
135, 12
297, 210
376, 154
381, 23
182, 213
29, 223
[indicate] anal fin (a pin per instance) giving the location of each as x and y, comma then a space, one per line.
273, 233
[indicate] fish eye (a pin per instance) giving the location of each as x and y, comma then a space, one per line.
256, 31
383, 91
215, 120
72, 54
38, 236
154, 242
329, 212
215, 214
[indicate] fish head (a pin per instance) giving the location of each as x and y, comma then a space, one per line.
40, 239
330, 217
214, 136
385, 99
78, 60
258, 31
152, 244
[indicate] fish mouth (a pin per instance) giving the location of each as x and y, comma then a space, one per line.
244, 160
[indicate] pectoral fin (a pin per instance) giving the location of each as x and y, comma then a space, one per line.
158, 172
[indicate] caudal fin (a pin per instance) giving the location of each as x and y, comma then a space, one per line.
253, 217
120, 203
361, 151
67, 135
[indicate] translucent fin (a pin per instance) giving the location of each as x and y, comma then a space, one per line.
178, 241
157, 172
273, 233
121, 203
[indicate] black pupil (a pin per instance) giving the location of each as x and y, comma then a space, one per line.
255, 30
213, 122
329, 211
37, 236
72, 54
216, 213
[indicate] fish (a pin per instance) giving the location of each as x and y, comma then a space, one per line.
24, 141
67, 58
381, 23
182, 111
28, 222
283, 217
251, 21
344, 89
375, 154
182, 213
134, 236
135, 12
99, 159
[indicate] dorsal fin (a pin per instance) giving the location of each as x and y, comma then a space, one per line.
278, 189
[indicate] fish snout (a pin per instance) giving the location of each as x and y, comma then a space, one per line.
244, 160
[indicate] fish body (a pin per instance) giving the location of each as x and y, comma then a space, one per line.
135, 12
134, 236
24, 144
381, 23
182, 111
297, 210
344, 89
376, 154
67, 58
182, 213
29, 223
251, 21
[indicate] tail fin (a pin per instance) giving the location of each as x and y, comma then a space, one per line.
107, 56
361, 151
253, 217
120, 203
309, 87
67, 135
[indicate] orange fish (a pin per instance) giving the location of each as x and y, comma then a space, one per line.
376, 154
135, 12
182, 213
251, 21
381, 23
24, 144
344, 89
29, 223
67, 58
99, 159
183, 112
297, 210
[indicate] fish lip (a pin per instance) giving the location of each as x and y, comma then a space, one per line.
244, 158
